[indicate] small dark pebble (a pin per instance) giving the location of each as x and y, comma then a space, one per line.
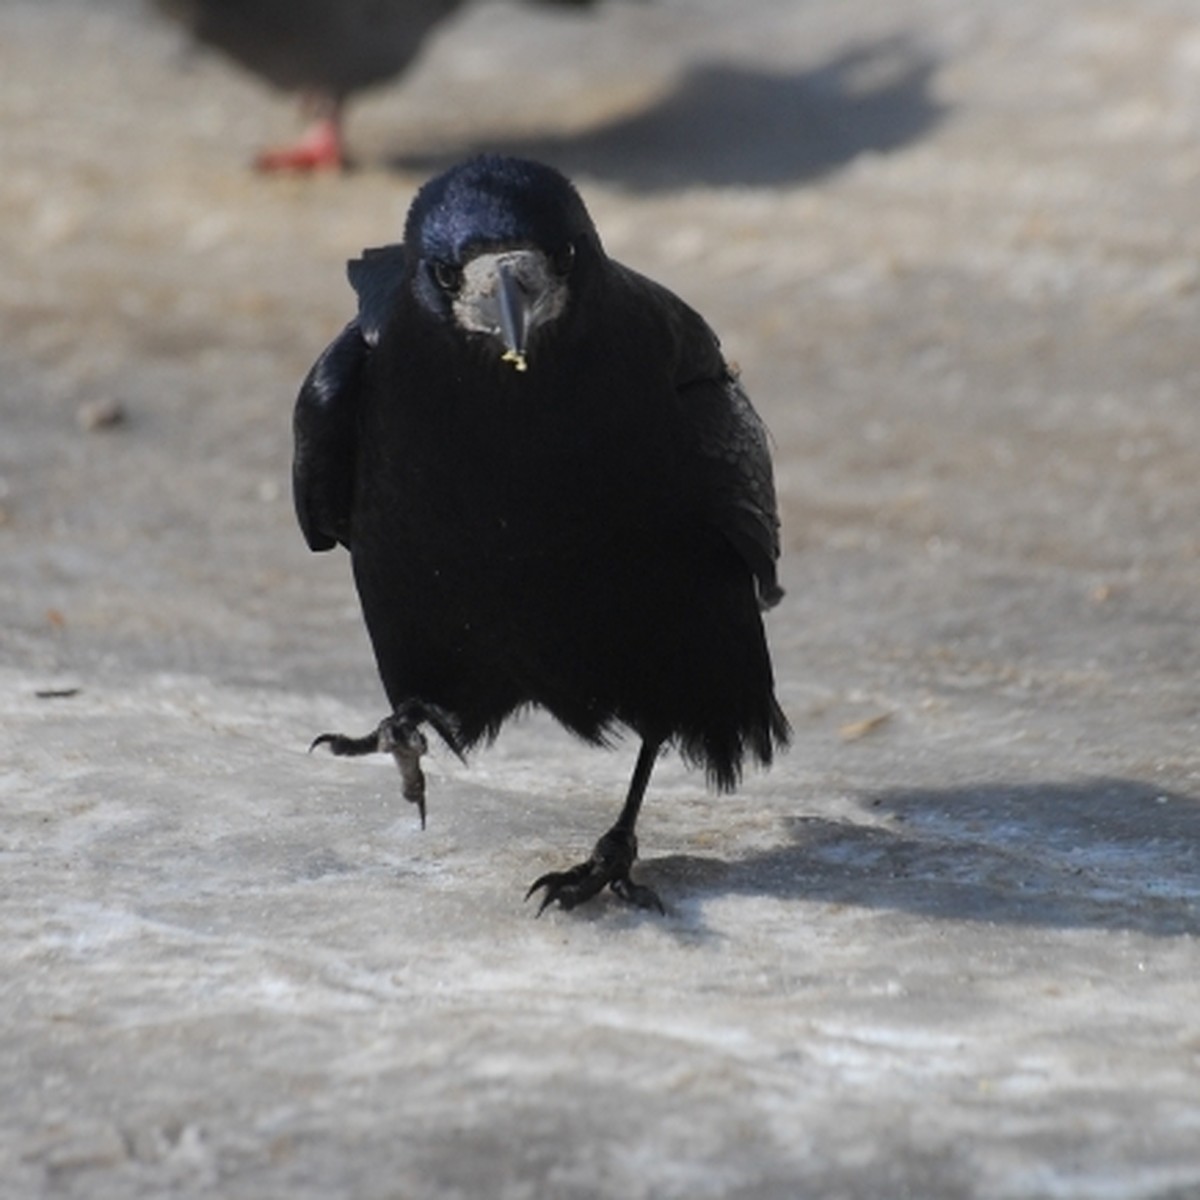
101, 413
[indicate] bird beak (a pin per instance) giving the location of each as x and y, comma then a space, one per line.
508, 295
514, 316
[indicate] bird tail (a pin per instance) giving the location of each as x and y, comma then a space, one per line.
722, 753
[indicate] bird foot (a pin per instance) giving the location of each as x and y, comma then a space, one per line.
319, 149
609, 866
396, 735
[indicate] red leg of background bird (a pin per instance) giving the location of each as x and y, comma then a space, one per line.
320, 149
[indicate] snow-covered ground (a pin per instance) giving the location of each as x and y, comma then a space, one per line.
947, 948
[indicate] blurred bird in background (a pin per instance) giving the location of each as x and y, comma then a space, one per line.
324, 50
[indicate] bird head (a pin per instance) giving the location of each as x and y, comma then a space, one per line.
499, 244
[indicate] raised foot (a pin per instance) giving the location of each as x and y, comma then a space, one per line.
396, 735
609, 866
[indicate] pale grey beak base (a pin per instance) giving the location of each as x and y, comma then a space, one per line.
508, 295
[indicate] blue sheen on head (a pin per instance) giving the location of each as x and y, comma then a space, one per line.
493, 201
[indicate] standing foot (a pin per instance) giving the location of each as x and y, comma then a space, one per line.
399, 736
609, 866
319, 149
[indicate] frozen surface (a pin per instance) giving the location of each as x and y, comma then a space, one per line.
949, 948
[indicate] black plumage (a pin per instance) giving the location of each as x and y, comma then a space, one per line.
554, 492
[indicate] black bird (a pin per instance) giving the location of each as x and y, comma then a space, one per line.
326, 50
554, 492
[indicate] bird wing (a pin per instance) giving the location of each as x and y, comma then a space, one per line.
325, 421
731, 445
735, 459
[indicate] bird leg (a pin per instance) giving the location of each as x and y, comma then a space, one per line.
400, 736
320, 147
612, 858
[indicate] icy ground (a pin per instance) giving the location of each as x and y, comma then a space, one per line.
948, 948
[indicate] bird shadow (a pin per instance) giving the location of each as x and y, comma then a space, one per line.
731, 125
1104, 853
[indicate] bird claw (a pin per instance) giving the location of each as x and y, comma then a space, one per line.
396, 735
609, 866
347, 747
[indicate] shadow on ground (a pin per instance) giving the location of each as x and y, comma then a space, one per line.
730, 125
1103, 854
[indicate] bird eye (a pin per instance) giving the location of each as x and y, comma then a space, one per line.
564, 259
447, 276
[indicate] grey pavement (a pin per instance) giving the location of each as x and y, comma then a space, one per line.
947, 948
